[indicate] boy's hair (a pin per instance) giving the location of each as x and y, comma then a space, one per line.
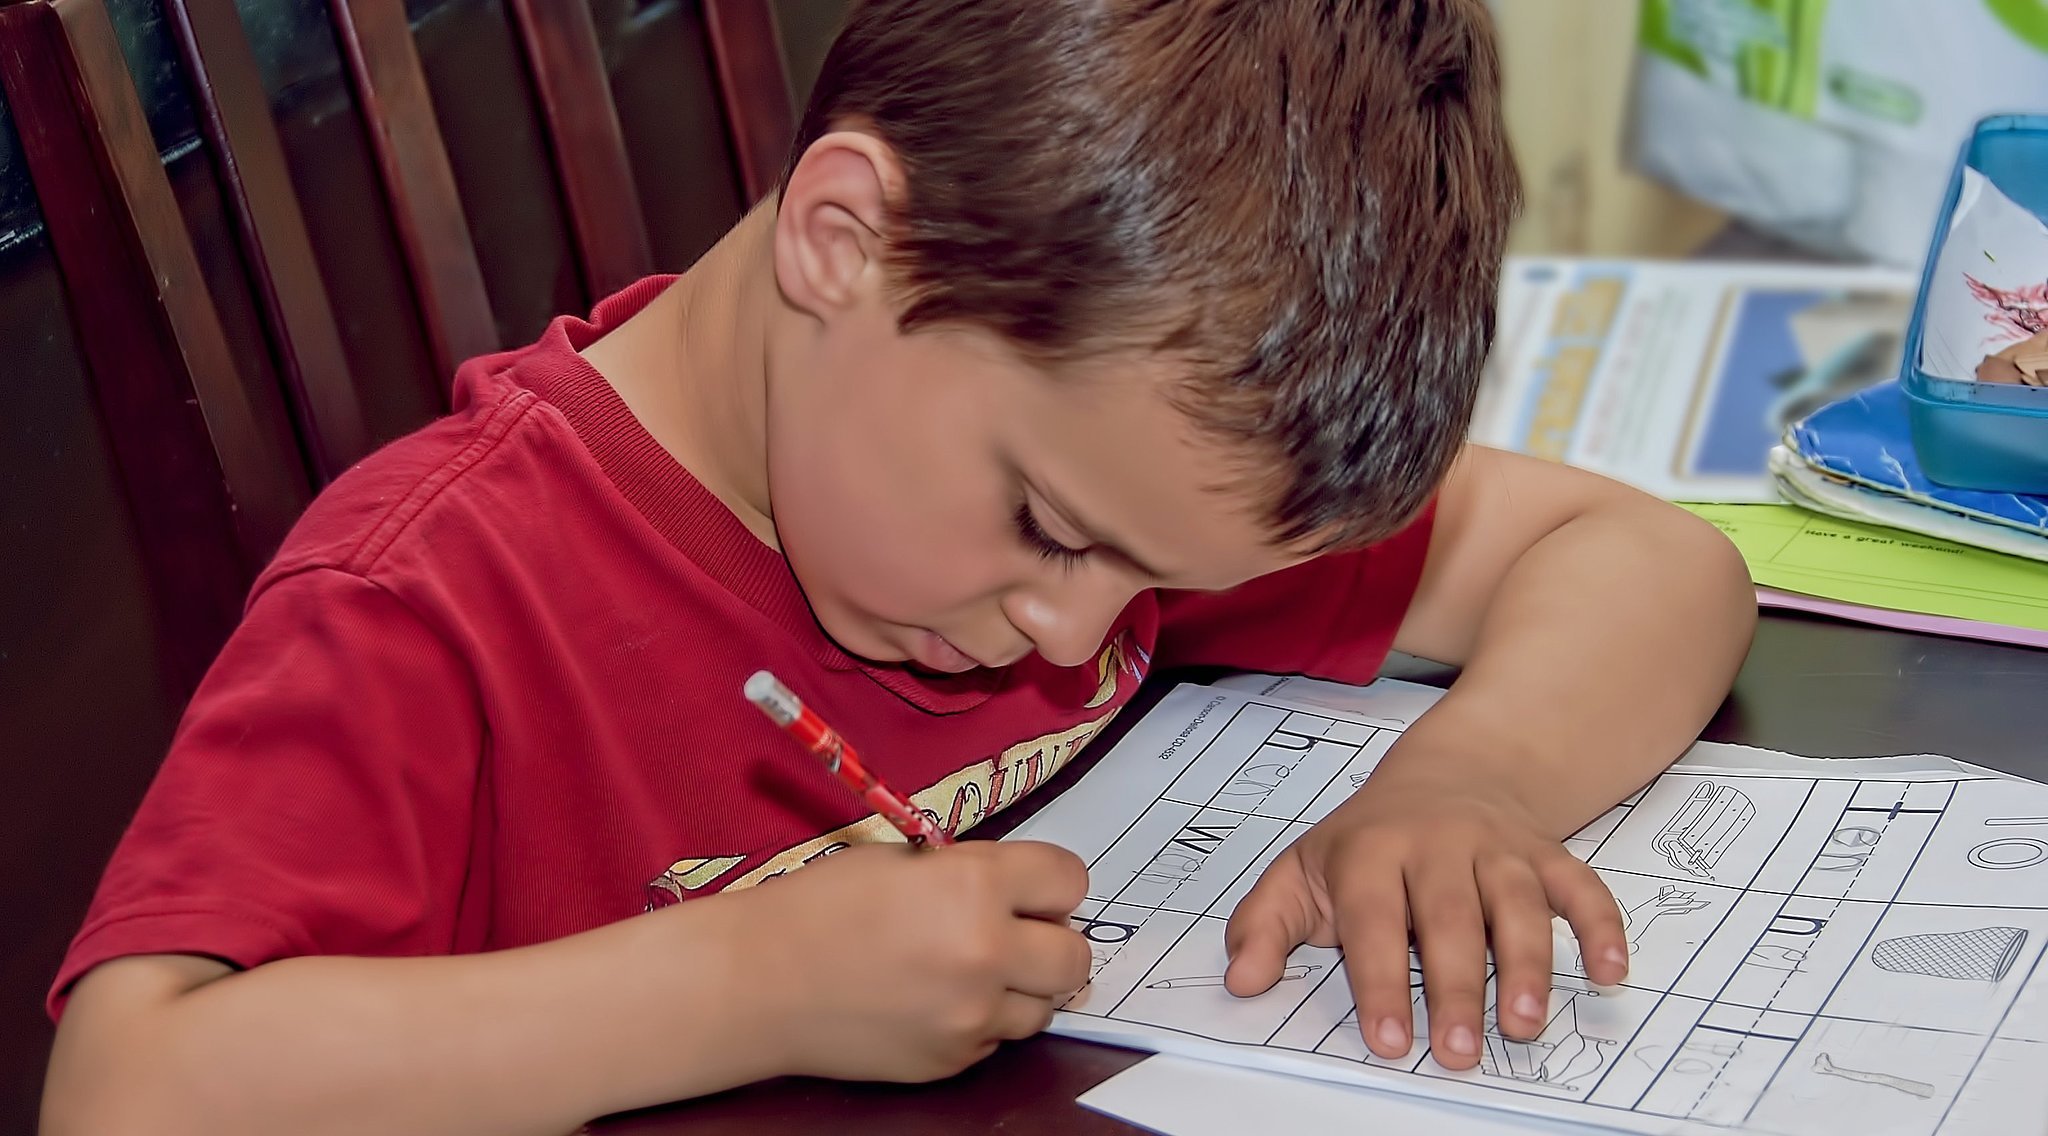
1305, 200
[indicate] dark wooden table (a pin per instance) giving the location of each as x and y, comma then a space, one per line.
1810, 686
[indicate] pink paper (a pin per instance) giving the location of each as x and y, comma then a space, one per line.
1903, 620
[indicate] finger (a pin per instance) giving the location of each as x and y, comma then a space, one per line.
1372, 925
1020, 1016
1046, 960
1043, 881
1518, 923
1276, 916
1577, 892
1450, 934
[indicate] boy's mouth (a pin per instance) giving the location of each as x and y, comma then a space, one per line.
933, 652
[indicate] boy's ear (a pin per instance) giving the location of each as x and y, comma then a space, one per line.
830, 222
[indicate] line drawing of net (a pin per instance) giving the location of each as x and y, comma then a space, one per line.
1982, 954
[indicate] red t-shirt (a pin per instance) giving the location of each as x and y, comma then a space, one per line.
488, 694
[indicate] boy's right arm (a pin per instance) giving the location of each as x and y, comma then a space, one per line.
877, 963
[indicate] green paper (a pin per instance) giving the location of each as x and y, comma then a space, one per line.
1794, 550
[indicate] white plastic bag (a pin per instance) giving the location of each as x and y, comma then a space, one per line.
1835, 123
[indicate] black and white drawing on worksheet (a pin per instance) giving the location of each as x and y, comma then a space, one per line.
1906, 1085
2003, 852
1637, 918
1980, 954
1849, 946
1704, 827
1559, 1057
1293, 973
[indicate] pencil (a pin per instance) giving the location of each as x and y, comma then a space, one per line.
785, 709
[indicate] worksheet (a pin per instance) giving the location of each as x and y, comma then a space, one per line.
1818, 945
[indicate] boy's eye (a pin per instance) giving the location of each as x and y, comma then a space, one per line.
1041, 542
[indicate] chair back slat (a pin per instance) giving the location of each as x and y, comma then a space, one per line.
419, 183
234, 114
212, 483
755, 84
589, 149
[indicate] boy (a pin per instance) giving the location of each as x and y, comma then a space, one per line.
1083, 338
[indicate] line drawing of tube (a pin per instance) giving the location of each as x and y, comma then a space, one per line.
1823, 1064
1703, 828
1294, 973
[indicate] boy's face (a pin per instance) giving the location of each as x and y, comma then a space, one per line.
944, 502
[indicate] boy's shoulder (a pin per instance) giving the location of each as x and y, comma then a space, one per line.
464, 486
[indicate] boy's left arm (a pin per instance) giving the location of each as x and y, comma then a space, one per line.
1597, 629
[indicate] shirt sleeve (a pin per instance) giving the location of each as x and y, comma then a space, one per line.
1333, 617
317, 798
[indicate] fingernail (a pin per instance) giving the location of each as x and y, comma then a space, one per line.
1462, 1041
1618, 957
1527, 1006
1393, 1034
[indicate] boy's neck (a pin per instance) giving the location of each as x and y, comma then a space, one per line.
692, 367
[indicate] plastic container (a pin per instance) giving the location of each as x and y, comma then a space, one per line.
1970, 435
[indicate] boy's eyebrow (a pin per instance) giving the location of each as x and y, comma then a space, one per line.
1094, 535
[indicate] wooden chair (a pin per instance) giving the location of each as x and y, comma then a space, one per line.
419, 184
588, 153
208, 464
249, 161
589, 149
754, 80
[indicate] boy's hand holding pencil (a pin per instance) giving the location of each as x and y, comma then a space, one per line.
898, 967
880, 963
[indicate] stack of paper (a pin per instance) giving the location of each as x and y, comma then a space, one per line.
1682, 378
1865, 573
1854, 459
1817, 946
1899, 542
1679, 377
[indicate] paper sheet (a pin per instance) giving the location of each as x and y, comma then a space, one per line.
1841, 946
1800, 551
1679, 377
1823, 492
1179, 1096
1902, 620
1866, 440
1990, 282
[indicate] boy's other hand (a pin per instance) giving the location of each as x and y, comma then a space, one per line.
1454, 863
880, 963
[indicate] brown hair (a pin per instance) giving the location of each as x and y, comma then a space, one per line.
1305, 199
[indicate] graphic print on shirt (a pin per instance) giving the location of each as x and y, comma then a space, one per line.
1122, 656
956, 803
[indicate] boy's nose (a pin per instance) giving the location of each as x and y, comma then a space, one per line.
1069, 624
